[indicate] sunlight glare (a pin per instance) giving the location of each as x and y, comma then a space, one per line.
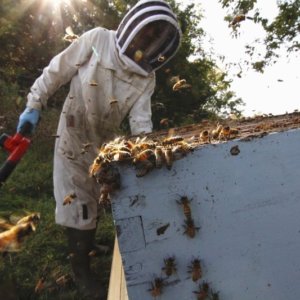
57, 3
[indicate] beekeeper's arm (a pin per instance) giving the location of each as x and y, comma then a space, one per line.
140, 114
59, 71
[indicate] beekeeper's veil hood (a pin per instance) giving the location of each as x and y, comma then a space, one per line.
148, 36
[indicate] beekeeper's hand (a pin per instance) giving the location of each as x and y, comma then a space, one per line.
30, 115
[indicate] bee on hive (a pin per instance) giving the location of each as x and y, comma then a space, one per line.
195, 269
157, 287
202, 292
169, 266
185, 203
190, 228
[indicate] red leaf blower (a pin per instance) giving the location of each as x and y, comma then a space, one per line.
16, 146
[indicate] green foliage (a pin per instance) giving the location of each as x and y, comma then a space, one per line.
281, 32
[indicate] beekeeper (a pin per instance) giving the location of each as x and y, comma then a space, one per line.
112, 74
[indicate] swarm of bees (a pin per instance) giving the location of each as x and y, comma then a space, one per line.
145, 154
12, 237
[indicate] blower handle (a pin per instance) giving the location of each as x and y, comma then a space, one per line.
16, 146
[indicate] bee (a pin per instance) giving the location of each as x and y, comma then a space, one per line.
180, 84
93, 83
172, 140
195, 269
184, 146
161, 58
110, 175
70, 36
105, 190
147, 145
144, 167
40, 285
204, 136
164, 122
185, 202
170, 266
63, 280
85, 148
214, 295
157, 287
125, 148
98, 165
11, 239
190, 229
178, 152
237, 19
33, 218
69, 198
202, 293
224, 133
144, 155
159, 157
138, 55
181, 149
234, 131
95, 166
216, 132
92, 253
121, 155
129, 144
169, 158
98, 250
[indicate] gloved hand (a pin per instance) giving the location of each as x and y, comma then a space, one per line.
30, 115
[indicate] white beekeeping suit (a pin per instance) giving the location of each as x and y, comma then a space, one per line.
111, 74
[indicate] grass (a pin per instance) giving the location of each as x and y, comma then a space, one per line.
44, 253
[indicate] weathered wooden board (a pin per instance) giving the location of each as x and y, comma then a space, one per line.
117, 284
247, 207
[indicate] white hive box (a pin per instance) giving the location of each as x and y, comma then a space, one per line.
247, 207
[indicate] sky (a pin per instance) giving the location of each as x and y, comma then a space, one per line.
273, 92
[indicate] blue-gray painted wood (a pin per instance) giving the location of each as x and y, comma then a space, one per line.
247, 206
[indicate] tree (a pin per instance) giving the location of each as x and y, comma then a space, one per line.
31, 33
281, 32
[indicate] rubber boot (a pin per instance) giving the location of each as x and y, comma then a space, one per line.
81, 243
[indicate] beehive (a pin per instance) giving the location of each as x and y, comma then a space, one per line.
244, 203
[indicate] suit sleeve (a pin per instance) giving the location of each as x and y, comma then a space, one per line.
60, 70
140, 114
